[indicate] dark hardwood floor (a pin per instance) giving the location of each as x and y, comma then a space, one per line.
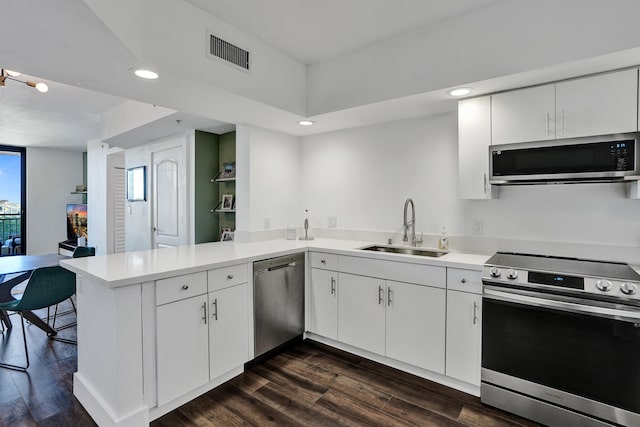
315, 385
43, 395
308, 385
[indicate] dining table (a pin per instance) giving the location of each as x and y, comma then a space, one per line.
14, 270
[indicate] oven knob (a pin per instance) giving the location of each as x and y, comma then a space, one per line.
628, 288
604, 285
512, 274
495, 272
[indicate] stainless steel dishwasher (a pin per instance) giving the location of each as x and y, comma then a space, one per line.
278, 300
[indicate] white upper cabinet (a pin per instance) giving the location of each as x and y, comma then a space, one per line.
523, 115
474, 139
598, 105
590, 106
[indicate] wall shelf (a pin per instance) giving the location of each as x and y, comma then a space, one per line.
220, 178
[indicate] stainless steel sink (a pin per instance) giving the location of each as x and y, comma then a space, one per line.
405, 250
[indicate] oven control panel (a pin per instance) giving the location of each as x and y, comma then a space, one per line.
614, 288
629, 290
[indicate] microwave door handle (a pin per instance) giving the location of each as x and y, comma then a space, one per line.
571, 307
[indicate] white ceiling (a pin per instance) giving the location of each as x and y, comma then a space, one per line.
328, 28
65, 117
69, 41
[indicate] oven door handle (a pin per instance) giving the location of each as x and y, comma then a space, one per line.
572, 307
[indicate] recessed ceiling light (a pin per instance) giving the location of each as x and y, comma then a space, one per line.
306, 122
146, 74
461, 91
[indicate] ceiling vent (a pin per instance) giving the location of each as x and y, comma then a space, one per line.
228, 52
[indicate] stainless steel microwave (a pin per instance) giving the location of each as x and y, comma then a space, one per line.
608, 158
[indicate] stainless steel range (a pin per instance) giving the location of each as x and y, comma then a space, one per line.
561, 340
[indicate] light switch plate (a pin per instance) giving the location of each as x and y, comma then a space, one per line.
476, 227
267, 223
333, 222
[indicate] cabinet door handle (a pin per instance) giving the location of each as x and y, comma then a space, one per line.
230, 276
389, 295
475, 312
204, 307
547, 124
323, 261
185, 287
463, 280
215, 305
333, 286
380, 295
485, 183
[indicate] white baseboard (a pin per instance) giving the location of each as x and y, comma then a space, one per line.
422, 373
101, 413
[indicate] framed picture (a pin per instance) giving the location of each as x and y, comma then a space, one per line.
228, 170
227, 236
224, 230
137, 184
227, 202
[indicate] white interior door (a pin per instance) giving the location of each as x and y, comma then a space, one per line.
168, 192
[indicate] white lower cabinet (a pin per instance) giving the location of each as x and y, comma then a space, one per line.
429, 317
228, 329
361, 312
323, 309
403, 321
202, 329
416, 325
464, 325
182, 347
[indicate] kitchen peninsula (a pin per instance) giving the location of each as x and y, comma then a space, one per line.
131, 332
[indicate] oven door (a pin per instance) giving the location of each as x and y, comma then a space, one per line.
575, 353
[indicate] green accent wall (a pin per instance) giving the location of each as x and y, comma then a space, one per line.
206, 192
227, 154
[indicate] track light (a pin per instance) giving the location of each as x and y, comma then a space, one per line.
11, 75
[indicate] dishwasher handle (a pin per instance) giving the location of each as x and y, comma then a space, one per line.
278, 267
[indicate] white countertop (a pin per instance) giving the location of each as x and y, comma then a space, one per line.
143, 266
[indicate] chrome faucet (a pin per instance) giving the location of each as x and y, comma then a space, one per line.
412, 224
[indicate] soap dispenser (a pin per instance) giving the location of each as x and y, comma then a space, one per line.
443, 243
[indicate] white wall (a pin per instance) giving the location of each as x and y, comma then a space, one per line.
268, 180
51, 177
96, 195
363, 176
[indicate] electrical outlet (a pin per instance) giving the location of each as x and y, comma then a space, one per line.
267, 223
333, 222
476, 227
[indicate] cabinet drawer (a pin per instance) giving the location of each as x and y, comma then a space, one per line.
323, 260
221, 278
398, 271
180, 287
464, 280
